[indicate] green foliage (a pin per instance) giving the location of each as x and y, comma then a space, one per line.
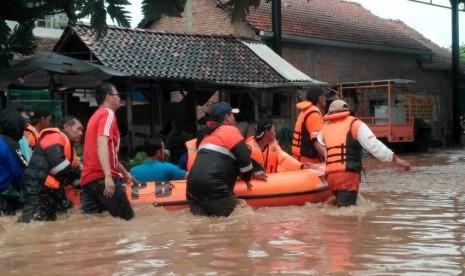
240, 8
154, 9
462, 51
284, 136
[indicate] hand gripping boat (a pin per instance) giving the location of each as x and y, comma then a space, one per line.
281, 189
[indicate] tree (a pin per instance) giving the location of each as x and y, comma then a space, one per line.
26, 12
462, 51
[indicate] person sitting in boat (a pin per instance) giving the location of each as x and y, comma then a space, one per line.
154, 168
222, 156
344, 138
267, 152
193, 144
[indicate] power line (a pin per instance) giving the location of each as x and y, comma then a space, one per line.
436, 4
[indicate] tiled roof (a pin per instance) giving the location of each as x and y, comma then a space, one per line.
148, 54
440, 58
334, 20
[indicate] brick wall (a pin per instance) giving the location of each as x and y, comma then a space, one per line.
203, 17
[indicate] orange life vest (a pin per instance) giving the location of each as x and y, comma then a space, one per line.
69, 153
273, 159
301, 142
191, 147
32, 135
343, 151
267, 159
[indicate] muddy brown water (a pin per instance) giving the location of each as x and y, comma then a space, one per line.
406, 223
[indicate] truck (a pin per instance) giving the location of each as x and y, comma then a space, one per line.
392, 110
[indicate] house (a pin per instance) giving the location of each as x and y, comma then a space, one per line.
334, 41
175, 73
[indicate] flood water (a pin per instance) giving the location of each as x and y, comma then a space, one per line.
406, 223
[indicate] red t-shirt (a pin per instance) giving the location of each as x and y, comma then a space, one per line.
102, 123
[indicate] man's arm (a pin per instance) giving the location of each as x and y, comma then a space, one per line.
374, 146
104, 159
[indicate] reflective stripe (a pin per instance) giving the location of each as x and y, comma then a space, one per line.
58, 168
219, 149
247, 168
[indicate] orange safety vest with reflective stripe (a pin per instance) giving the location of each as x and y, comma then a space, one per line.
301, 142
32, 136
191, 147
69, 153
343, 151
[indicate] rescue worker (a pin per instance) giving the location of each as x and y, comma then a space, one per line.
53, 165
222, 156
344, 138
305, 147
12, 163
38, 120
267, 152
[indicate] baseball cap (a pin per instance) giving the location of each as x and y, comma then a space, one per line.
338, 106
35, 115
220, 109
262, 125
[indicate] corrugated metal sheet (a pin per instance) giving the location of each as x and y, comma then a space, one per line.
283, 67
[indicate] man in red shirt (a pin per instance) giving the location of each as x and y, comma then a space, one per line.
102, 185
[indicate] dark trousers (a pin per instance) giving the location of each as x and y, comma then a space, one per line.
50, 202
9, 205
221, 207
93, 200
345, 198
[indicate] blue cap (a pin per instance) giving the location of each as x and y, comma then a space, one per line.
220, 109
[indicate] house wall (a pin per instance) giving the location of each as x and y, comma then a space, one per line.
203, 17
328, 64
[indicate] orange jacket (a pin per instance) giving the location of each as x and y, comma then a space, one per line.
305, 132
191, 147
69, 153
343, 151
32, 136
273, 159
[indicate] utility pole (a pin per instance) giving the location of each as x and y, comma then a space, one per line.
276, 26
456, 112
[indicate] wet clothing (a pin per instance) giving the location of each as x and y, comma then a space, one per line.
53, 164
273, 158
51, 201
103, 123
154, 170
216, 207
12, 162
221, 158
306, 129
93, 200
344, 138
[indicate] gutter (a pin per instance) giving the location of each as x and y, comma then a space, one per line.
343, 44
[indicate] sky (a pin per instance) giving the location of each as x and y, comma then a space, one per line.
432, 22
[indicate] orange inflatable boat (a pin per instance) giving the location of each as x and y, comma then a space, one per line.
281, 189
